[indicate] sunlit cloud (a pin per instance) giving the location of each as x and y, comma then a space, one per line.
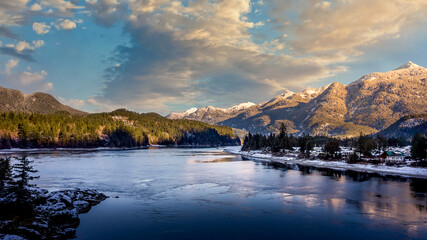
210, 52
41, 28
27, 81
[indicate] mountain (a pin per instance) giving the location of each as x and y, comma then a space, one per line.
368, 105
406, 127
17, 101
211, 114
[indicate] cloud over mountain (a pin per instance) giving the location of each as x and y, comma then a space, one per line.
216, 52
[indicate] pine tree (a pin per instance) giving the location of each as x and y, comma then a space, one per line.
5, 173
23, 171
419, 147
332, 146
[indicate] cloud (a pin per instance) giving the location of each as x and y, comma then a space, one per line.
38, 43
11, 12
12, 63
209, 51
23, 45
22, 49
41, 28
62, 7
75, 103
31, 81
36, 7
107, 12
336, 30
6, 32
25, 81
201, 53
11, 51
67, 24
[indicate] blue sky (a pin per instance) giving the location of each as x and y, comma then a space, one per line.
163, 56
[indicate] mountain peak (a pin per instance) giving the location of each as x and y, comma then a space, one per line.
210, 113
408, 65
191, 110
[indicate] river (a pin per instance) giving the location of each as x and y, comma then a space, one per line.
183, 193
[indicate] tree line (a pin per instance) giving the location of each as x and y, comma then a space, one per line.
364, 144
120, 128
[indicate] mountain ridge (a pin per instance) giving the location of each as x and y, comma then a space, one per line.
369, 104
210, 114
12, 100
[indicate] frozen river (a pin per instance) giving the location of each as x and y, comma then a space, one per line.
171, 193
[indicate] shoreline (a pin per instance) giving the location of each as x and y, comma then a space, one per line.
94, 149
408, 172
55, 214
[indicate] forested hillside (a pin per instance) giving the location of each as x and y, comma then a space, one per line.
120, 128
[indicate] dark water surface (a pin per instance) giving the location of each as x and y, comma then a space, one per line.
208, 194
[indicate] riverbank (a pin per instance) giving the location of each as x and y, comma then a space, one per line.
336, 165
95, 149
55, 215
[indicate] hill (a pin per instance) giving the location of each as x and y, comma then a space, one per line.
12, 100
120, 128
406, 127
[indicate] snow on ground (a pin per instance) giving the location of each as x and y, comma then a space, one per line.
338, 165
11, 237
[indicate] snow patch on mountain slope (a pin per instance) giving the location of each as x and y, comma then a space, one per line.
408, 65
193, 110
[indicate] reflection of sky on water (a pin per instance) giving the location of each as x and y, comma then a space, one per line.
203, 193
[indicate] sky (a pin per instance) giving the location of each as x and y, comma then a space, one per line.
167, 56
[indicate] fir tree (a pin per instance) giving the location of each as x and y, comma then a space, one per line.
332, 146
419, 147
23, 171
5, 173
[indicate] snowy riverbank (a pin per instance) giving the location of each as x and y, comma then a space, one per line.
55, 214
337, 165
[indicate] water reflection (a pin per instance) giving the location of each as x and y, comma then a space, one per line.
175, 194
377, 197
218, 160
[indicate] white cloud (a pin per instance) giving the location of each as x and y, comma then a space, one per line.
11, 12
75, 103
336, 30
36, 7
26, 81
64, 8
31, 78
23, 45
203, 52
67, 24
12, 63
41, 28
38, 43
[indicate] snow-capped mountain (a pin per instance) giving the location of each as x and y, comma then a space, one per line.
370, 104
211, 114
408, 65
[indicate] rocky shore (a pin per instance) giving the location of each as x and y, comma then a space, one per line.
55, 214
